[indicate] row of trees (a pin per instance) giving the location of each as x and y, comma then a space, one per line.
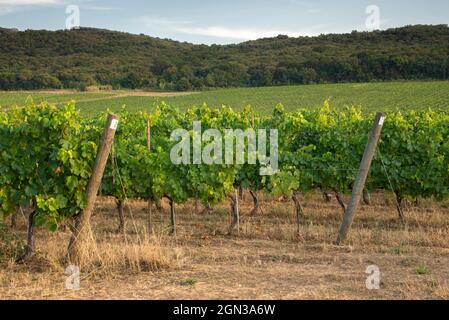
185, 77
80, 58
47, 153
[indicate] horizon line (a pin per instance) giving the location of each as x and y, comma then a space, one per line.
229, 44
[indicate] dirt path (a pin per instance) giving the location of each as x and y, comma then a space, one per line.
112, 94
140, 94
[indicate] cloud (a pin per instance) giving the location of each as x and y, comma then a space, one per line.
222, 32
19, 3
238, 33
8, 6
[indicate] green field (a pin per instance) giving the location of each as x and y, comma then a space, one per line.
369, 96
20, 97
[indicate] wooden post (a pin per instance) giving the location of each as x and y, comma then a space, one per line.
149, 134
359, 186
150, 202
82, 232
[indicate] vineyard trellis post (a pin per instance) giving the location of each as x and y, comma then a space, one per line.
359, 186
149, 134
82, 231
150, 201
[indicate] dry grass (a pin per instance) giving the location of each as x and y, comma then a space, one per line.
267, 261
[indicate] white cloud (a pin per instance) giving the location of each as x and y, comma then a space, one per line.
18, 3
7, 6
238, 33
220, 32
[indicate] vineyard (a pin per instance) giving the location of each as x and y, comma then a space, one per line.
371, 97
47, 155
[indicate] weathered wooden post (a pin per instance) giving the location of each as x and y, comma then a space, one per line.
149, 134
359, 186
82, 232
150, 202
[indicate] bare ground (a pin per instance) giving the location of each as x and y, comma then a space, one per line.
268, 260
126, 94
116, 93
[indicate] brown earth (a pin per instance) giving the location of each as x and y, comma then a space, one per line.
268, 260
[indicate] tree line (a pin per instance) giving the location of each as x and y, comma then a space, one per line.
77, 59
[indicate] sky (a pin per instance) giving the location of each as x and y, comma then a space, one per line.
224, 21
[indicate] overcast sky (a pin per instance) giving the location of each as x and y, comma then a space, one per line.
224, 21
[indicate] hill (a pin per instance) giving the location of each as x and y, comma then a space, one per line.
79, 58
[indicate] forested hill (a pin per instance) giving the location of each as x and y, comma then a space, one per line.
85, 57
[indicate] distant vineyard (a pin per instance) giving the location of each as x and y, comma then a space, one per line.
47, 154
370, 97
